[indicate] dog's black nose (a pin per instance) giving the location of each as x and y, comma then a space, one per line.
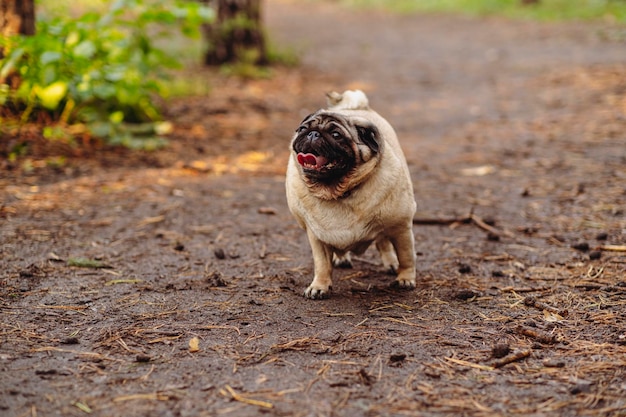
313, 135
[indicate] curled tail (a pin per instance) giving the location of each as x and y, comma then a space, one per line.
348, 100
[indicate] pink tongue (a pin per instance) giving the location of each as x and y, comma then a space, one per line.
310, 159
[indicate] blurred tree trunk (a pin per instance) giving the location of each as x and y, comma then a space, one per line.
17, 16
236, 34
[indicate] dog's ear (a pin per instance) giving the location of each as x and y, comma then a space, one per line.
369, 135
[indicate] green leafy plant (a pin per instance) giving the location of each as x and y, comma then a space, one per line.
100, 70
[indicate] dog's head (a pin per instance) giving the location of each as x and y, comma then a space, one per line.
335, 152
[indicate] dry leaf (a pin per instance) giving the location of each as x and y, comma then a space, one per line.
194, 345
478, 171
550, 316
267, 210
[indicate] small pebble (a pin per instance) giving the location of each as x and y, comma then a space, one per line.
465, 295
581, 387
493, 237
581, 246
500, 350
595, 254
397, 357
219, 253
143, 358
46, 372
69, 341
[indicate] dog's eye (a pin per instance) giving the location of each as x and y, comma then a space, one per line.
336, 135
301, 129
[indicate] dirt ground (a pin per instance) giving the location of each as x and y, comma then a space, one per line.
170, 283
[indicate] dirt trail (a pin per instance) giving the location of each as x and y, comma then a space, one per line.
520, 124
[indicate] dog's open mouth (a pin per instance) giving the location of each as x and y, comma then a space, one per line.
313, 162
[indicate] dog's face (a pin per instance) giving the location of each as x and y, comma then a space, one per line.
335, 152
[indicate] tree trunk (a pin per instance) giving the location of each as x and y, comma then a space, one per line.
16, 16
237, 33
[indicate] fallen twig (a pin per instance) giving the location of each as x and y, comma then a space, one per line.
76, 352
439, 221
122, 281
533, 302
514, 357
405, 321
82, 407
538, 335
470, 218
613, 248
147, 396
297, 344
212, 327
470, 364
77, 309
245, 400
524, 289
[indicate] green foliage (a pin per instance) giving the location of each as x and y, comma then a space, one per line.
102, 70
246, 65
541, 10
86, 263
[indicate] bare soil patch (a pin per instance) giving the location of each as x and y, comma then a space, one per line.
170, 283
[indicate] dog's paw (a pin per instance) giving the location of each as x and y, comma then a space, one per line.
313, 292
404, 281
403, 284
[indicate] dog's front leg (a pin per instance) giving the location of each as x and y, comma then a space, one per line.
403, 243
322, 263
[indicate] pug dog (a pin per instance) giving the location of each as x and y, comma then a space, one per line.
348, 186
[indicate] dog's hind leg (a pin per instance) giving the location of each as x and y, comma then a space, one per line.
343, 260
388, 255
